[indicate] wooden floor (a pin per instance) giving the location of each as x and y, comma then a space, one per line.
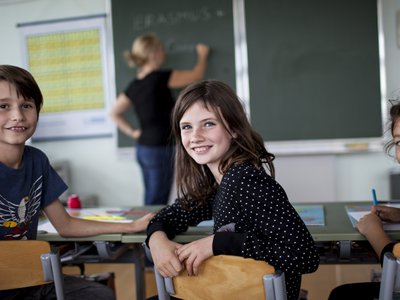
318, 284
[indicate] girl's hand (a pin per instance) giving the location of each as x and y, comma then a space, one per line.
194, 253
387, 213
163, 252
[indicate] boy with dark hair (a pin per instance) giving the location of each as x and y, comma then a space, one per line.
28, 184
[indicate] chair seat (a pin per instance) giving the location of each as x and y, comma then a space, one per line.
224, 277
29, 263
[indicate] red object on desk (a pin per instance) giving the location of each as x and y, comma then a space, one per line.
74, 202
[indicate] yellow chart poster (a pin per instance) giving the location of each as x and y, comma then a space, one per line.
68, 60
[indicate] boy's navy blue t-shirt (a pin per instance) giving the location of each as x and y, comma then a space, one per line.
24, 192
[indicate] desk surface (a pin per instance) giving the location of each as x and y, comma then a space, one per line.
337, 228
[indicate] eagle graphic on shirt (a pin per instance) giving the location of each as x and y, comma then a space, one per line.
17, 216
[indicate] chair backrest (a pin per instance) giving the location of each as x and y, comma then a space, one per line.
29, 263
225, 277
390, 282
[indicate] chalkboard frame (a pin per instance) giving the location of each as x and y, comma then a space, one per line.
307, 146
370, 137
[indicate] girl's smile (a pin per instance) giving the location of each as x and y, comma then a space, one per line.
204, 137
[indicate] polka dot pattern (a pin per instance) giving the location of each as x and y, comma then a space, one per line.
266, 226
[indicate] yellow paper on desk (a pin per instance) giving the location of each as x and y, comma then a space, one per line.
105, 218
98, 214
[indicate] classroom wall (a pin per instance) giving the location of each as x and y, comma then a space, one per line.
97, 169
94, 164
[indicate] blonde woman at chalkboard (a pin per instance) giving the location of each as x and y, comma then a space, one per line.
150, 95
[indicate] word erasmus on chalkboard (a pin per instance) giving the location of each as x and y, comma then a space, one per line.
142, 22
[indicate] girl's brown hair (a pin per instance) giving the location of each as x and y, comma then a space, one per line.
195, 183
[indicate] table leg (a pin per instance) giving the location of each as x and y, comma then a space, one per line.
345, 250
138, 259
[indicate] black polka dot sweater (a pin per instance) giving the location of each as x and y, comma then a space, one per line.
252, 218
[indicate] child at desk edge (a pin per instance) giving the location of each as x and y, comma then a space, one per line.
29, 184
372, 228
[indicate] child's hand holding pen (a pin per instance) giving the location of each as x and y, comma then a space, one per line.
370, 225
387, 213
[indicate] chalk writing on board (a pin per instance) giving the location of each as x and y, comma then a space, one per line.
142, 22
180, 25
172, 46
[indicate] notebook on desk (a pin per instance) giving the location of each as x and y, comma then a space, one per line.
357, 211
311, 214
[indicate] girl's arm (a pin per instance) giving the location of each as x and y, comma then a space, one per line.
175, 219
164, 226
371, 227
68, 226
122, 105
182, 78
163, 253
269, 229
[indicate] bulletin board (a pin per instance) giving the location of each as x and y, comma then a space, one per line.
68, 60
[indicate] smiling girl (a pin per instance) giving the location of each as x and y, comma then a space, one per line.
222, 166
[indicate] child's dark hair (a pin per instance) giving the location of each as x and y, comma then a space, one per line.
195, 183
23, 82
394, 117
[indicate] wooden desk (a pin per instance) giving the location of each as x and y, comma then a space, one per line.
110, 248
338, 228
337, 232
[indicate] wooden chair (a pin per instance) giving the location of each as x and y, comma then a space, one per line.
29, 263
225, 277
390, 282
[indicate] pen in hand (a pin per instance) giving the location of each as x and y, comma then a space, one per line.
374, 197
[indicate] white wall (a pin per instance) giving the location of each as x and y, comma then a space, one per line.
96, 168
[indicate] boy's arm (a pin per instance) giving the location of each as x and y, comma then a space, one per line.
69, 226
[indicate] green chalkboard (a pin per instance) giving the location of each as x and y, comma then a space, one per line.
181, 24
314, 69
